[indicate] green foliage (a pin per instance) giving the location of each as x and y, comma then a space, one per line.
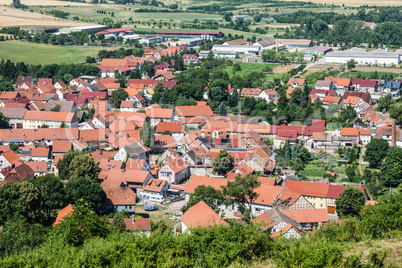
81, 225
85, 189
83, 166
350, 202
376, 150
118, 223
391, 169
241, 192
18, 235
52, 190
63, 165
14, 147
21, 200
395, 111
222, 163
351, 64
117, 97
211, 196
222, 109
384, 217
4, 122
384, 103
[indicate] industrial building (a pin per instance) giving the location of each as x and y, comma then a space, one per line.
248, 50
88, 29
204, 35
117, 32
364, 57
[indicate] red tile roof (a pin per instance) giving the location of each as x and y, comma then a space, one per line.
159, 113
308, 188
119, 196
188, 111
307, 215
63, 213
201, 215
196, 181
40, 152
61, 146
11, 157
173, 127
138, 224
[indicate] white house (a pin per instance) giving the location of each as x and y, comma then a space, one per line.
174, 171
134, 150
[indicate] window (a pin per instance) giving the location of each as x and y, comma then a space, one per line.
321, 205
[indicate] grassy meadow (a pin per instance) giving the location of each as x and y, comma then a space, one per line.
33, 53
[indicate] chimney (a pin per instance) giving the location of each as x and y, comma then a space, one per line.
393, 141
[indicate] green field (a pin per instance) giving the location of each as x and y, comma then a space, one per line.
33, 53
247, 68
313, 172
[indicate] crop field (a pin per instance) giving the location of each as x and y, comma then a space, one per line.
357, 2
33, 53
17, 17
43, 2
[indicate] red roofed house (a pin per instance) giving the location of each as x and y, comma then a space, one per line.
39, 167
190, 58
194, 111
40, 154
155, 189
174, 171
61, 147
314, 192
8, 159
163, 142
370, 25
138, 224
200, 215
157, 114
120, 199
280, 224
365, 85
309, 219
297, 82
251, 92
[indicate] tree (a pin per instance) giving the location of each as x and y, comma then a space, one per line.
236, 67
118, 223
81, 225
30, 203
63, 166
85, 189
56, 108
376, 150
83, 166
268, 55
350, 202
14, 147
211, 196
179, 64
350, 173
395, 112
222, 109
222, 163
298, 165
305, 155
295, 152
384, 103
4, 122
242, 193
348, 113
288, 151
52, 191
351, 64
384, 217
117, 97
148, 69
391, 169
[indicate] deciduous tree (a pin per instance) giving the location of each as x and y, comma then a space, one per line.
222, 163
376, 150
350, 202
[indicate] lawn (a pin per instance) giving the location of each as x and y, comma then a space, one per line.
247, 68
33, 53
369, 75
313, 172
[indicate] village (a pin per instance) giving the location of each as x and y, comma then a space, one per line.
150, 156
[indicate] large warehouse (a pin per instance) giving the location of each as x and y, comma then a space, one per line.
364, 56
88, 29
205, 35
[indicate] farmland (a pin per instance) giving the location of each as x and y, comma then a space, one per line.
32, 53
247, 68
